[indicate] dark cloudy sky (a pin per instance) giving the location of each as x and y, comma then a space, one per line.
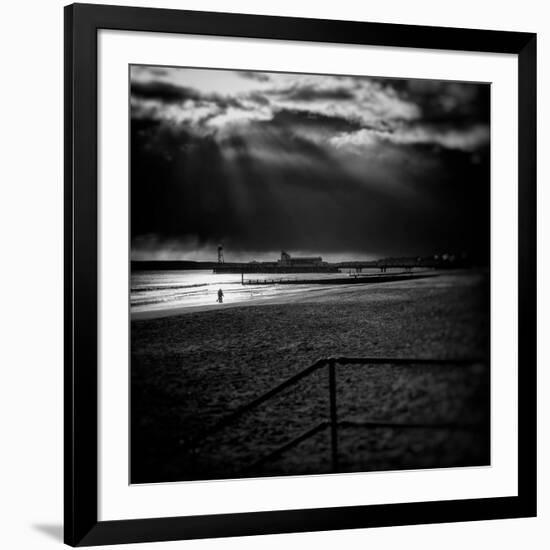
340, 166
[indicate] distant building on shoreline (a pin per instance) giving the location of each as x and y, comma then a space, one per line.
287, 264
288, 261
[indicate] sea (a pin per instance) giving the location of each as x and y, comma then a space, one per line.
159, 290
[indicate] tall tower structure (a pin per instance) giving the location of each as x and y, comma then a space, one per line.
220, 254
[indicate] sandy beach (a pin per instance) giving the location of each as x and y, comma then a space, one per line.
288, 294
193, 367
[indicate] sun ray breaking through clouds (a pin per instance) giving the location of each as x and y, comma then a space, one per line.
326, 164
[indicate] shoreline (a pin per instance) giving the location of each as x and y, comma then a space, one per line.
296, 295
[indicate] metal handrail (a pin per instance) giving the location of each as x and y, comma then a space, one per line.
333, 422
235, 415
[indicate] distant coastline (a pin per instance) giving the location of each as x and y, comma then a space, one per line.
438, 262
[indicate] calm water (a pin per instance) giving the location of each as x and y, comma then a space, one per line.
154, 290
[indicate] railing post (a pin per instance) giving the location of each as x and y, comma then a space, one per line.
333, 416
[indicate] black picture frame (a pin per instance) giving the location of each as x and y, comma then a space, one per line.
82, 22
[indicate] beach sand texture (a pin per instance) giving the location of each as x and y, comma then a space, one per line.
190, 370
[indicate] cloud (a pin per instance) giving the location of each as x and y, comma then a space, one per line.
464, 139
468, 139
162, 92
358, 101
237, 116
263, 161
253, 75
360, 138
445, 101
367, 104
310, 93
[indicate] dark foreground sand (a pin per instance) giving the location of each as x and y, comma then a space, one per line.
188, 371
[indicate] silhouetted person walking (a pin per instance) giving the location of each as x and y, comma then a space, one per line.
220, 296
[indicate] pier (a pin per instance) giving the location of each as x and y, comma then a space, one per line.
288, 264
349, 280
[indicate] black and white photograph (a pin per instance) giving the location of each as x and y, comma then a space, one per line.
309, 274
273, 275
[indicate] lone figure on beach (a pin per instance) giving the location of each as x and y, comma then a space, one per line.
220, 296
